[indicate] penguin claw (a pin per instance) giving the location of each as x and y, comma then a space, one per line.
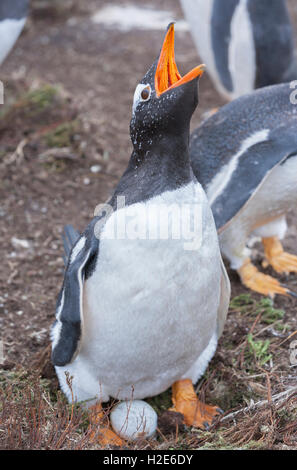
290, 292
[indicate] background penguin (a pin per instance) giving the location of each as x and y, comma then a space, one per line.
245, 156
246, 44
13, 14
138, 314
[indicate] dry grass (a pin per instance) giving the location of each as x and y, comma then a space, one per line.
272, 424
31, 419
35, 416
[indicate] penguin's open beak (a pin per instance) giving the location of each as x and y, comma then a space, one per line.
167, 75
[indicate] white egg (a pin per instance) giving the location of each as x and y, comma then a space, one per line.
135, 419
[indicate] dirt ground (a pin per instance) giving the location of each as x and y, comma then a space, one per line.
64, 143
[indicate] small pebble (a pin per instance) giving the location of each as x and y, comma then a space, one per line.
18, 243
95, 168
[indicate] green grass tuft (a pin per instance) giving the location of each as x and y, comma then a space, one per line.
258, 350
61, 136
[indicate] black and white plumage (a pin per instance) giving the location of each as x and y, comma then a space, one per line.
245, 156
246, 44
135, 314
13, 14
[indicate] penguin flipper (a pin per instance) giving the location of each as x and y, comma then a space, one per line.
66, 331
253, 168
69, 237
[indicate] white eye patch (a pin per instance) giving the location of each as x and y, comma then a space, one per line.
142, 93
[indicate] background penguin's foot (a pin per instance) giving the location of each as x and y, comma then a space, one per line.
100, 431
259, 282
186, 402
281, 261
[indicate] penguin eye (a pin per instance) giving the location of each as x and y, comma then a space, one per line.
142, 93
146, 93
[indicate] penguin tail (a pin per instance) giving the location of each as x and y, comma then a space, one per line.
69, 237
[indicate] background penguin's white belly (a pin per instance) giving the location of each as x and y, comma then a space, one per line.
200, 24
10, 30
150, 307
275, 197
242, 66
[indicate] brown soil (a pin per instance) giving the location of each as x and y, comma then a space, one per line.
95, 71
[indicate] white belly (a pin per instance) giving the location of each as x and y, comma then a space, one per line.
242, 67
150, 308
276, 196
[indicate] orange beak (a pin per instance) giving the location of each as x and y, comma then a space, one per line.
167, 75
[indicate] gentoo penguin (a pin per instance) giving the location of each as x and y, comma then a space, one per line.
13, 14
246, 44
145, 294
245, 156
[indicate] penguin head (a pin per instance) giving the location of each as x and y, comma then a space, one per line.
164, 101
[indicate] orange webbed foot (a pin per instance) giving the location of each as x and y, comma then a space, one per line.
186, 402
259, 282
106, 437
100, 432
275, 255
